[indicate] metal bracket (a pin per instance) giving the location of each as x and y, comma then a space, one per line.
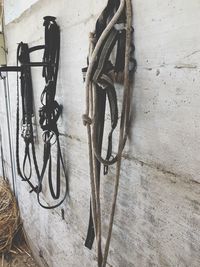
19, 68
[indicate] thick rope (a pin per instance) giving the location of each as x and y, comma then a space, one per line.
96, 51
88, 80
88, 119
124, 119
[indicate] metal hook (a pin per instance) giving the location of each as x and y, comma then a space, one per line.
2, 77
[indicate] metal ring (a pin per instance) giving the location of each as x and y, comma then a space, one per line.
49, 139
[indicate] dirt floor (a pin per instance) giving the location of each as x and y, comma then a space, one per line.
18, 257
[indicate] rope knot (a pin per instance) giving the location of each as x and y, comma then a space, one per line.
86, 119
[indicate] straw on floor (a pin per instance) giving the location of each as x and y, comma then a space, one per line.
9, 216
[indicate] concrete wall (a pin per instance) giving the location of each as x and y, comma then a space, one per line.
157, 221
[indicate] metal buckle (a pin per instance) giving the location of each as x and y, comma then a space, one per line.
26, 131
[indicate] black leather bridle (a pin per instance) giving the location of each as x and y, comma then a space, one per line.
49, 114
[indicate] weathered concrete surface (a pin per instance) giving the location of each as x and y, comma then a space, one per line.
166, 127
14, 8
158, 212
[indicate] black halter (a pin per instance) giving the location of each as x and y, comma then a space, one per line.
49, 113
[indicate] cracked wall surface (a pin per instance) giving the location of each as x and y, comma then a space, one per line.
157, 220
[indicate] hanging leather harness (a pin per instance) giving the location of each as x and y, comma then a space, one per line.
27, 117
111, 39
49, 114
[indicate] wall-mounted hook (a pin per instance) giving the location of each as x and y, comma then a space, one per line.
2, 76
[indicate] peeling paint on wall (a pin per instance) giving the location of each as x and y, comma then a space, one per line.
13, 9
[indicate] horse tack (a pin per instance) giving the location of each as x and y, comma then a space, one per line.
113, 33
27, 116
49, 113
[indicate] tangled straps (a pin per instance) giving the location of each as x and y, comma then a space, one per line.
23, 58
109, 62
50, 112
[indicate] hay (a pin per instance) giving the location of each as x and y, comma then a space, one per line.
9, 216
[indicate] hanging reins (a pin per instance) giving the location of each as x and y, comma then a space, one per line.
49, 114
27, 117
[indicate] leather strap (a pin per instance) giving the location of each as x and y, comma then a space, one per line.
27, 113
49, 114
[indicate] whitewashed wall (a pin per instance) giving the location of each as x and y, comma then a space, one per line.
158, 212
